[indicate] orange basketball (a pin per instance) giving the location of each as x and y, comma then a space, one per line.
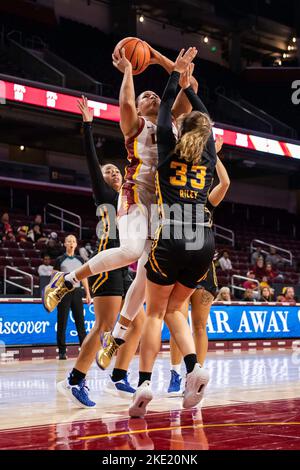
137, 52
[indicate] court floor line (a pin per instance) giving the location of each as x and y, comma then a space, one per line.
196, 426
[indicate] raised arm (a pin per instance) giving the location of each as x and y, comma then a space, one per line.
197, 105
100, 189
165, 138
218, 193
129, 120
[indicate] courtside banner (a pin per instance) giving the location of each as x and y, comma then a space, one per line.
23, 324
228, 322
41, 97
30, 324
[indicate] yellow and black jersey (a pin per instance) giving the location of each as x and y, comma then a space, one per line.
182, 187
106, 198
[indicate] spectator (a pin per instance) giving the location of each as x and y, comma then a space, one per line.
255, 255
54, 248
38, 221
266, 295
45, 269
259, 269
66, 263
224, 262
86, 252
250, 284
264, 282
5, 227
275, 259
36, 235
249, 296
223, 295
10, 237
289, 295
272, 275
22, 233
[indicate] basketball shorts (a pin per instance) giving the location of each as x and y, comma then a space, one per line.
210, 282
112, 283
181, 260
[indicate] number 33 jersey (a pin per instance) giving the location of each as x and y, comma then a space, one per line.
182, 189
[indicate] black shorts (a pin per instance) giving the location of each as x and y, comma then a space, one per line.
210, 282
170, 260
111, 283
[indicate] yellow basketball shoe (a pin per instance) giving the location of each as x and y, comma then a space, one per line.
105, 354
55, 291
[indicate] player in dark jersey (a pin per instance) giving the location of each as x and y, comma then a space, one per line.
109, 288
202, 299
179, 261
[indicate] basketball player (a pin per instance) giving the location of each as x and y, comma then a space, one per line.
183, 251
138, 125
108, 288
199, 312
202, 299
137, 120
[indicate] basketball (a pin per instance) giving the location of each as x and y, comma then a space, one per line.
137, 52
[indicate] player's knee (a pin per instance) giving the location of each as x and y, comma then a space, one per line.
133, 253
199, 327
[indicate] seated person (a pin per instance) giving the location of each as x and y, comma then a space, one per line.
45, 269
223, 295
249, 295
266, 295
259, 269
36, 235
225, 262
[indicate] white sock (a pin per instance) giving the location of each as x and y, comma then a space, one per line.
71, 277
119, 331
177, 368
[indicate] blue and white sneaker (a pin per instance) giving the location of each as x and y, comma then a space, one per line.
121, 389
78, 394
174, 389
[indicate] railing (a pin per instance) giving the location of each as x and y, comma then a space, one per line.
288, 257
62, 217
279, 127
33, 64
238, 113
18, 271
241, 278
225, 233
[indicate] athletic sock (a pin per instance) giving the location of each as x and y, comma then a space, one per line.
144, 376
119, 331
76, 376
118, 374
71, 279
190, 360
176, 368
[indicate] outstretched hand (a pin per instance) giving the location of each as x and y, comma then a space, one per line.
120, 61
184, 59
186, 76
87, 113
